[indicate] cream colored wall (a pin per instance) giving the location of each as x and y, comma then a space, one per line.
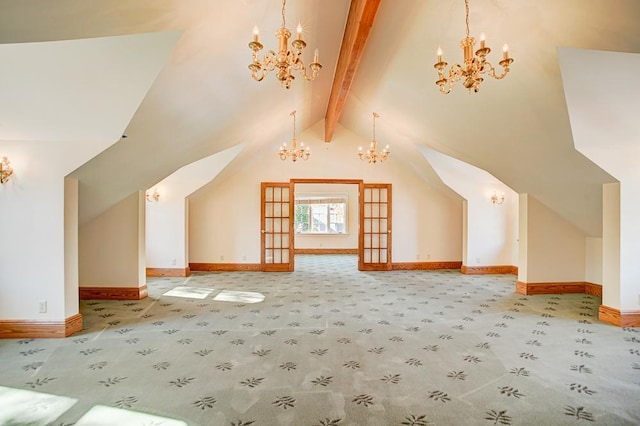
555, 249
611, 245
593, 260
112, 246
523, 240
346, 241
630, 245
224, 219
72, 302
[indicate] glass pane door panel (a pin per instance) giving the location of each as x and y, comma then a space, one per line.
367, 255
277, 241
367, 226
268, 225
383, 256
383, 195
383, 209
383, 225
375, 195
367, 210
276, 225
367, 241
375, 241
375, 210
277, 256
277, 210
268, 256
268, 209
285, 256
268, 194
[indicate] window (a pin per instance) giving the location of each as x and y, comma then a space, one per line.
321, 214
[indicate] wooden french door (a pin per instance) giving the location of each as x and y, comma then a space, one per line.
276, 242
374, 248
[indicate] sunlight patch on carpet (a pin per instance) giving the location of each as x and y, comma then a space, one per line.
239, 296
22, 407
101, 415
189, 292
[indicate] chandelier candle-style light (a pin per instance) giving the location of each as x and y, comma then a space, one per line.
5, 170
294, 152
286, 59
475, 65
372, 155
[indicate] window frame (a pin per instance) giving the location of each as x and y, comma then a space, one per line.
322, 199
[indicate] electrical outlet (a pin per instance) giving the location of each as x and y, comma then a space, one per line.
477, 260
42, 306
428, 255
173, 262
221, 257
244, 257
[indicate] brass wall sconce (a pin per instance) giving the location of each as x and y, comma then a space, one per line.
154, 196
497, 199
5, 170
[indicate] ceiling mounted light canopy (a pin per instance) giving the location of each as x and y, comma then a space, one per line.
372, 155
286, 59
475, 65
294, 152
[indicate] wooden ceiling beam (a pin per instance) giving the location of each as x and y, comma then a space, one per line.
359, 22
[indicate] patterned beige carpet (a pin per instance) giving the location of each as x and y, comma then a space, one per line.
333, 346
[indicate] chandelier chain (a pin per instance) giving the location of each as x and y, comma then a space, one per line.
466, 6
293, 113
284, 3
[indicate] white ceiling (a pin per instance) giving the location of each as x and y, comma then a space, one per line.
204, 100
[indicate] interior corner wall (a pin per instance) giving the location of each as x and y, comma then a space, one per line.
71, 296
611, 245
166, 232
112, 246
593, 260
629, 246
491, 231
465, 232
523, 241
555, 249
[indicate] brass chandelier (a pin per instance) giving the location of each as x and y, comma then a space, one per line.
294, 152
475, 65
372, 155
285, 60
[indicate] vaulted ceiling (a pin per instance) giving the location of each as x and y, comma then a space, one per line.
204, 101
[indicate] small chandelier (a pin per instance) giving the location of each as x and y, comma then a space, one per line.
294, 152
5, 170
474, 65
285, 59
372, 155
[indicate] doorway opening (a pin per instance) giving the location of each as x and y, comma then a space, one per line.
325, 216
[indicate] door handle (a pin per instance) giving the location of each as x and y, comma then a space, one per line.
262, 230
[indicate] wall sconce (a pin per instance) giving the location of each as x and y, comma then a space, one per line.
154, 196
5, 170
497, 199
